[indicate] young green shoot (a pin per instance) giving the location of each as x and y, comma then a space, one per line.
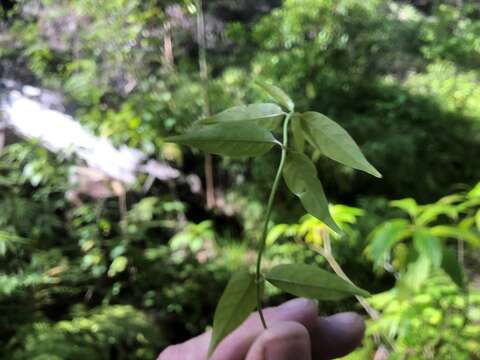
248, 131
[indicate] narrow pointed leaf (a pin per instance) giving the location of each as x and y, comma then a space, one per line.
428, 246
297, 168
300, 175
265, 115
408, 205
311, 282
315, 203
228, 139
298, 136
334, 142
277, 94
236, 303
452, 267
384, 237
454, 232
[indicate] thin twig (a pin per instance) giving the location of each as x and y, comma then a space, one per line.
326, 252
267, 218
203, 65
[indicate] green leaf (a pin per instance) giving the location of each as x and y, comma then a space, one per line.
265, 115
469, 204
236, 303
344, 214
452, 267
432, 212
408, 205
417, 273
298, 167
118, 265
475, 192
428, 246
298, 136
384, 237
334, 142
276, 232
228, 139
300, 176
277, 94
311, 282
458, 233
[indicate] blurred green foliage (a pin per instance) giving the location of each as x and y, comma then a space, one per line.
432, 312
434, 322
117, 331
402, 79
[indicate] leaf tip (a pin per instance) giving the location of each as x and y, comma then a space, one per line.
373, 171
335, 228
332, 224
277, 94
364, 293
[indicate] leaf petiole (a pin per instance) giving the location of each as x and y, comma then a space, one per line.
273, 192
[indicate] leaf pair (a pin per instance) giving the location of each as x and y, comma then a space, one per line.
245, 131
300, 173
265, 115
235, 140
236, 132
241, 130
238, 299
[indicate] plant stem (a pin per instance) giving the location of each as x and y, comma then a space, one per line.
271, 198
203, 65
326, 252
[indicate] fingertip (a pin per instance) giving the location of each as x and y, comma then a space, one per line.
170, 353
337, 335
193, 349
301, 310
350, 323
283, 341
298, 304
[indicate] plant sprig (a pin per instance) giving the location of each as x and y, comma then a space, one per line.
271, 198
246, 131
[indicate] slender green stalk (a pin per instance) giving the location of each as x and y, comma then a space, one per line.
205, 79
271, 198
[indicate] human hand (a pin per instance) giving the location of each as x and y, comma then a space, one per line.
295, 332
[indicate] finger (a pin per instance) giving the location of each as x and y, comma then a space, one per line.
235, 346
282, 341
337, 335
192, 349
